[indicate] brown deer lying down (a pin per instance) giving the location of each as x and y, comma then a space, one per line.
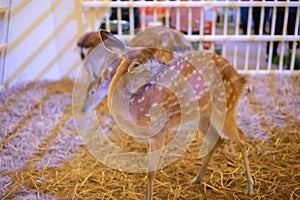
145, 98
99, 58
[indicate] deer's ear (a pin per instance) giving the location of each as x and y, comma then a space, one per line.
110, 42
136, 67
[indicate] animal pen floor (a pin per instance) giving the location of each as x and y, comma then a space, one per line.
42, 156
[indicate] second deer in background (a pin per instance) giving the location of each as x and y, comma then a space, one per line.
99, 59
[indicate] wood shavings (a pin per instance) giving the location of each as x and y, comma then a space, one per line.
5, 182
42, 156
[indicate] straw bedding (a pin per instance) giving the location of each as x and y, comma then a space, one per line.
42, 156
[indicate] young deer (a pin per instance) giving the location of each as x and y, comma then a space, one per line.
149, 94
157, 37
96, 63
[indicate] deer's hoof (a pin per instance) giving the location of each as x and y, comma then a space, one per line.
249, 190
194, 181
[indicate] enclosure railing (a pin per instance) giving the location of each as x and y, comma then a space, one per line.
245, 51
4, 17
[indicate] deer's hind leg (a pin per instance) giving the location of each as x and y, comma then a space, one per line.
207, 157
237, 135
241, 144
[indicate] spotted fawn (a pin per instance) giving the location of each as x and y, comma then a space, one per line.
150, 94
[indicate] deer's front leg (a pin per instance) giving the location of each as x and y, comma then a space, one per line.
155, 145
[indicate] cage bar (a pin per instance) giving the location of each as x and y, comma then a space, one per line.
229, 32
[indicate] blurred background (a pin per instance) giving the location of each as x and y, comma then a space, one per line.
38, 38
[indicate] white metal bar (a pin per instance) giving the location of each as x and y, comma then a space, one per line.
143, 17
201, 23
98, 19
131, 20
224, 49
95, 1
237, 30
249, 21
155, 11
247, 55
225, 24
264, 71
167, 16
177, 18
262, 19
293, 57
258, 56
189, 31
213, 28
297, 21
249, 24
270, 55
273, 20
281, 55
236, 38
167, 19
225, 27
5, 11
237, 23
272, 35
284, 32
201, 27
224, 37
107, 22
119, 17
235, 53
244, 38
261, 28
177, 4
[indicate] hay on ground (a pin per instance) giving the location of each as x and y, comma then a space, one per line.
42, 156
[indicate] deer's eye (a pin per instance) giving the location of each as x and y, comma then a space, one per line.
92, 92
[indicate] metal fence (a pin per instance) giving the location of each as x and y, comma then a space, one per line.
4, 18
247, 33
